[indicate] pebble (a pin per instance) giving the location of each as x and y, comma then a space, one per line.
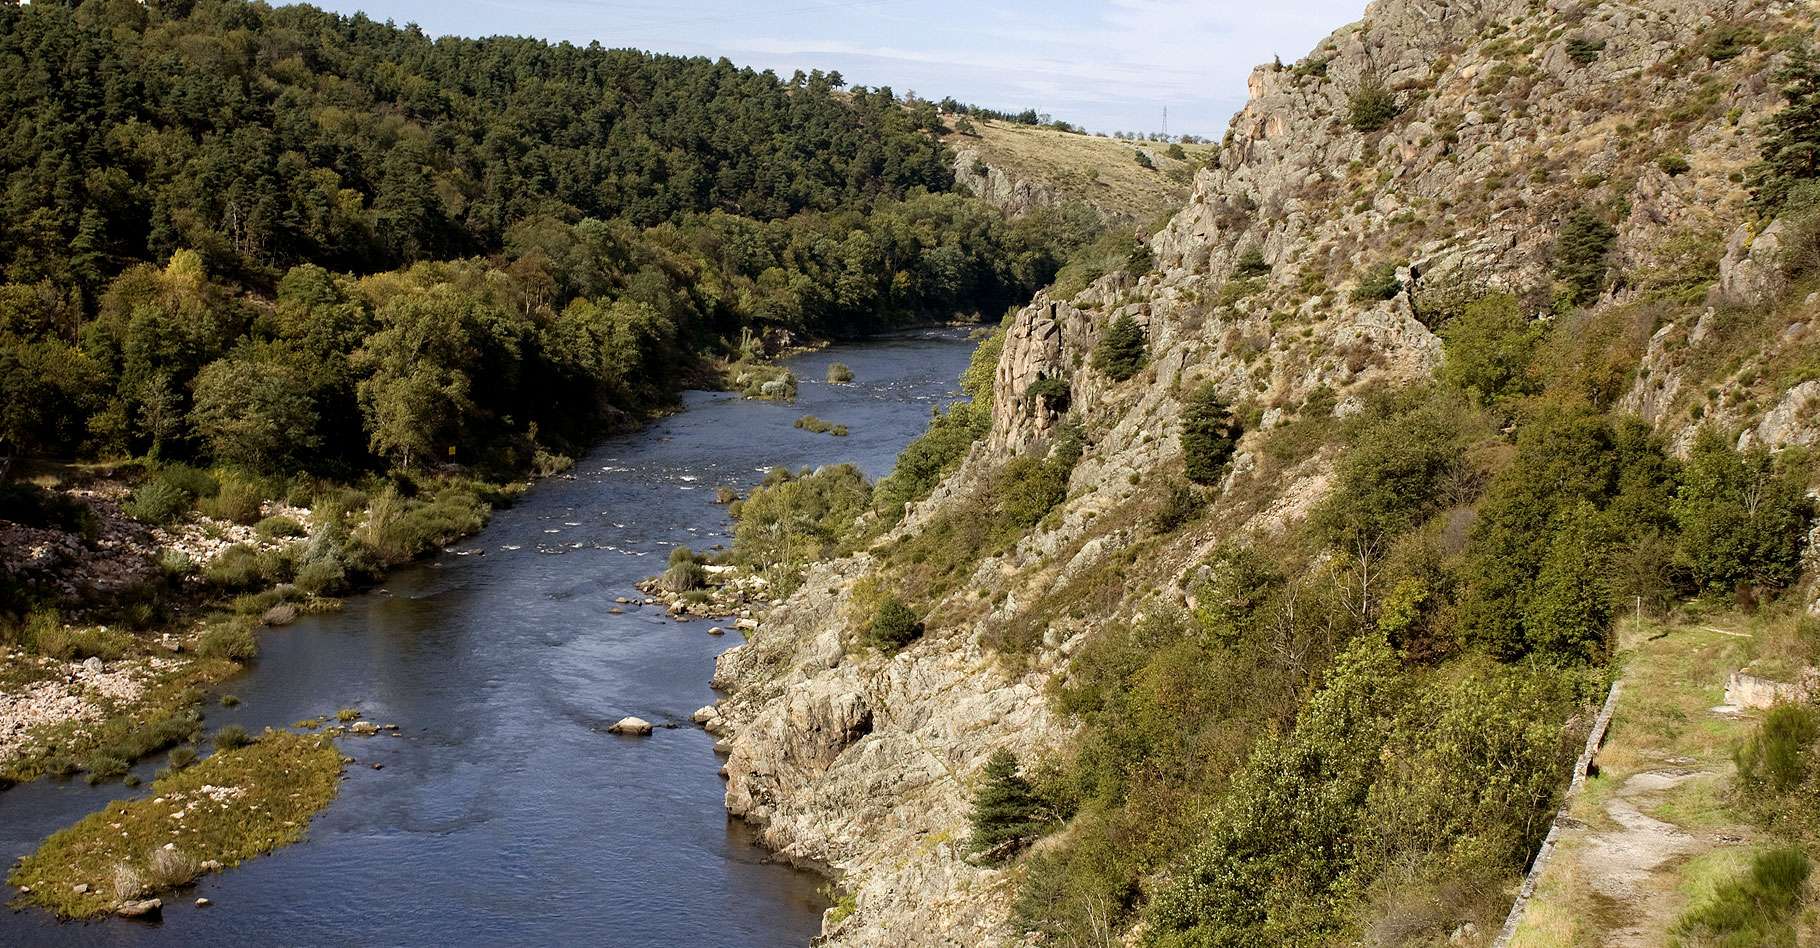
203, 903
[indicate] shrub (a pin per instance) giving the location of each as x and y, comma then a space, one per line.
1489, 350
790, 520
684, 576
1378, 283
1754, 908
158, 501
839, 374
237, 501
1176, 151
34, 506
1372, 106
1741, 521
1177, 505
180, 757
1583, 51
1250, 264
1580, 254
1006, 810
240, 566
1121, 351
46, 634
230, 638
279, 527
229, 737
104, 766
1210, 434
1777, 756
1673, 165
1143, 159
682, 554
894, 626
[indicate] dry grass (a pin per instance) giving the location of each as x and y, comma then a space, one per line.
1102, 172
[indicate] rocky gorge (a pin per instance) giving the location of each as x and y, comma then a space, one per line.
1310, 266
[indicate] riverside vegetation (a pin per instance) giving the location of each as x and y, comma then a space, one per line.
291, 298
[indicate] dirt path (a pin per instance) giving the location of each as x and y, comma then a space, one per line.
1654, 821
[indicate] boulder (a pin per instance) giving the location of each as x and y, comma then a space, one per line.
638, 727
91, 666
282, 614
364, 728
143, 908
705, 714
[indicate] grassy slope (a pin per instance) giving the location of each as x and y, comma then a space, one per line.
1101, 171
1669, 759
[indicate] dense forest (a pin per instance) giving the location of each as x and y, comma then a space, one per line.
290, 241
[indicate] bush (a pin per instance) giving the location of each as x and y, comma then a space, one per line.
1210, 434
894, 626
1176, 507
1777, 756
1372, 106
1006, 811
1143, 159
682, 554
839, 374
46, 634
1121, 351
103, 767
1754, 908
1489, 350
279, 527
230, 737
1741, 521
1673, 165
230, 638
684, 576
34, 506
1378, 283
237, 501
159, 502
239, 567
181, 757
1583, 51
1176, 151
1250, 264
792, 520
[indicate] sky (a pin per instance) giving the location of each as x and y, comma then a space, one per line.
1109, 65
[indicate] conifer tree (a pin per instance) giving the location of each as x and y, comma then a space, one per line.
1004, 810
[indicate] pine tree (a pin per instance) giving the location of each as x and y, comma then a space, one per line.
1580, 255
1005, 810
1120, 353
1791, 153
1209, 435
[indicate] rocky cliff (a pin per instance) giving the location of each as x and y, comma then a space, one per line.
1307, 266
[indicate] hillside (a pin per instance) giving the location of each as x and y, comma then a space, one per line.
1023, 166
1286, 560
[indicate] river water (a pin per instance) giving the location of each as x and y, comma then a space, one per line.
504, 812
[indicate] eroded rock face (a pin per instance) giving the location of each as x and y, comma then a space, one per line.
1014, 196
865, 763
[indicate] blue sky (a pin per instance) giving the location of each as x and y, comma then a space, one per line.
1108, 64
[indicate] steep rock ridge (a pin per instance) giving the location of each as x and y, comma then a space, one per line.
864, 764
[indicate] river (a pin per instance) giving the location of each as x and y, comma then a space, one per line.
504, 812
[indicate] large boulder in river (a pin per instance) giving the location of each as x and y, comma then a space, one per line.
705, 713
638, 727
